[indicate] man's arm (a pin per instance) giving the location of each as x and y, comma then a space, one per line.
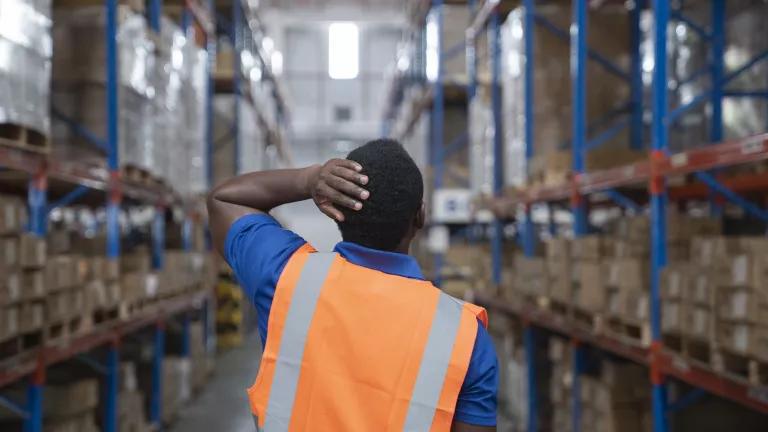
337, 182
463, 427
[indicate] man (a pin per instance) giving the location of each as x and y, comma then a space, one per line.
355, 340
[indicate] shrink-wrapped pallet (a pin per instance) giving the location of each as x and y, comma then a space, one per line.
25, 64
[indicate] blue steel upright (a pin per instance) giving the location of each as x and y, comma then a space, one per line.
660, 136
237, 24
210, 42
112, 388
718, 69
438, 118
498, 141
155, 11
158, 238
529, 235
528, 229
113, 163
579, 107
34, 420
156, 398
636, 76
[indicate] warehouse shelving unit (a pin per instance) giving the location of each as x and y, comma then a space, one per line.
69, 181
649, 175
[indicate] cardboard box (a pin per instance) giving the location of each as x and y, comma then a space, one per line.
704, 285
591, 293
676, 281
13, 216
136, 262
742, 304
632, 249
9, 253
32, 251
637, 307
744, 338
749, 270
715, 252
31, 316
61, 272
700, 323
57, 307
673, 317
9, 322
33, 284
558, 249
72, 399
11, 288
591, 247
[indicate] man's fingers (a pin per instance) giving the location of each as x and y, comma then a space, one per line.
350, 175
346, 163
347, 187
340, 198
332, 212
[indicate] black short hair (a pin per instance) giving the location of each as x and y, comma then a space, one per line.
397, 191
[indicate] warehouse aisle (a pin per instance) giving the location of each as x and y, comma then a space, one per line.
223, 404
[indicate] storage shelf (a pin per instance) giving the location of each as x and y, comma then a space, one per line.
81, 174
722, 155
704, 377
17, 368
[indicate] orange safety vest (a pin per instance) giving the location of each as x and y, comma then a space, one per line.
354, 349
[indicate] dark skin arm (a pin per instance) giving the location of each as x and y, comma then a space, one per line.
337, 183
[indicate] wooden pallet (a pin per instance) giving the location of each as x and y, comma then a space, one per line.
588, 321
136, 175
740, 366
24, 138
559, 308
630, 333
688, 348
106, 315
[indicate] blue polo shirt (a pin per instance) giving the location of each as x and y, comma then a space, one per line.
258, 247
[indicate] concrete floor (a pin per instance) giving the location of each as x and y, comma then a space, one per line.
223, 404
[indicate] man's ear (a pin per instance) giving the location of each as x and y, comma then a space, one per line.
421, 216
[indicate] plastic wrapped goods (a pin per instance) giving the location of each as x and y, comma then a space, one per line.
25, 63
688, 53
194, 93
481, 157
79, 77
609, 35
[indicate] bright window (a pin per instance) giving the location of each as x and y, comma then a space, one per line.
343, 51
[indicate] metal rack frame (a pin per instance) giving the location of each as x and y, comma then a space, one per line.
651, 173
109, 181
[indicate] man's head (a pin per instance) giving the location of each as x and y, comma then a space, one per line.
395, 210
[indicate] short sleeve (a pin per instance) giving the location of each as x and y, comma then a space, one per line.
258, 248
477, 399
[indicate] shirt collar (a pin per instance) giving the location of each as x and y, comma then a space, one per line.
386, 262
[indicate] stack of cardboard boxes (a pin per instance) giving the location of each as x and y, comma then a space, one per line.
131, 414
719, 299
560, 384
530, 284
71, 407
614, 397
22, 281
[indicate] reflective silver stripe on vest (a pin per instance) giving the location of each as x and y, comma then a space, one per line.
434, 365
297, 322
